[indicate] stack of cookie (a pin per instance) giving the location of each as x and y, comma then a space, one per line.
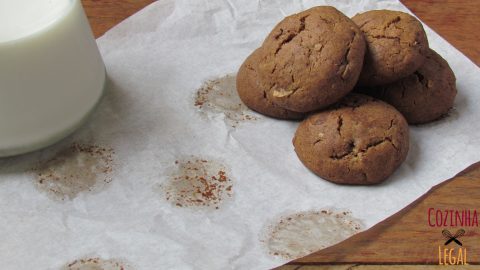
401, 69
310, 64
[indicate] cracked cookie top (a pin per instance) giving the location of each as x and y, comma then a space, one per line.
254, 96
424, 96
360, 140
311, 59
396, 45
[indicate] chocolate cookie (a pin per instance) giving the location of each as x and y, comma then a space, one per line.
311, 59
425, 95
360, 141
254, 96
396, 45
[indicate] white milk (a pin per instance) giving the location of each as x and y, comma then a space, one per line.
51, 73
19, 18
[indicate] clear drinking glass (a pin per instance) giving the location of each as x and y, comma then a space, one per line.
51, 72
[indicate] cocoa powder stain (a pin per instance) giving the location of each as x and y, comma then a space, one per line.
79, 168
300, 234
97, 264
219, 96
198, 182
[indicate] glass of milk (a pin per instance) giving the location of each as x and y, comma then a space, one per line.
51, 72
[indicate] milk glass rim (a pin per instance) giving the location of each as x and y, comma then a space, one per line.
46, 27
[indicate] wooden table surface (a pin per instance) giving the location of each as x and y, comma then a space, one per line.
411, 235
458, 22
455, 20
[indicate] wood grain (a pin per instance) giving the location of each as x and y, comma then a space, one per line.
458, 21
455, 20
377, 267
105, 14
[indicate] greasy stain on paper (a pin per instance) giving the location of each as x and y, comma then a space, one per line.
97, 264
79, 168
198, 182
219, 97
299, 234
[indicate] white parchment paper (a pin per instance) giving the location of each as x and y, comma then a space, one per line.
156, 61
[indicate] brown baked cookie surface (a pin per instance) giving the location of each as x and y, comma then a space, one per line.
360, 141
311, 59
425, 95
396, 45
254, 96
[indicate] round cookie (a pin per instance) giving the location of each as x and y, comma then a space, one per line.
424, 96
311, 59
396, 45
253, 96
359, 141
